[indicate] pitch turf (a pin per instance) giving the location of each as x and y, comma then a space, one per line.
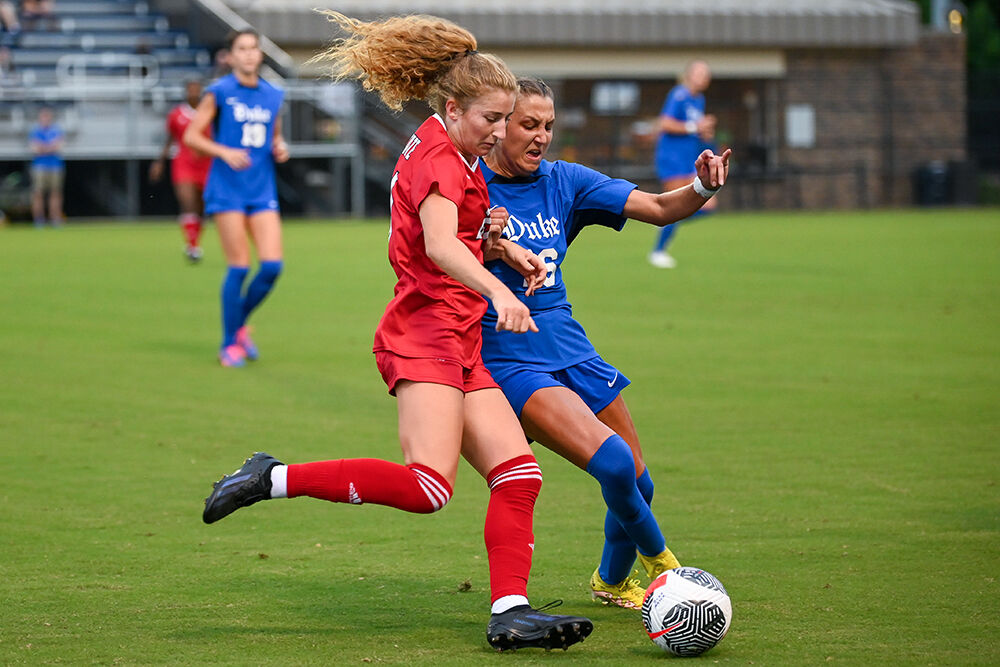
818, 397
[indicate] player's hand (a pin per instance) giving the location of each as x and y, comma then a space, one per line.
512, 315
155, 171
706, 127
712, 169
237, 158
280, 151
497, 223
529, 265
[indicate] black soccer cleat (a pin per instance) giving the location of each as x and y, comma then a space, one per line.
524, 627
246, 486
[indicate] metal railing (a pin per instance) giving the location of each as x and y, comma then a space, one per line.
121, 118
76, 70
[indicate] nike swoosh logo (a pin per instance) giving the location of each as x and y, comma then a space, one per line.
613, 380
654, 635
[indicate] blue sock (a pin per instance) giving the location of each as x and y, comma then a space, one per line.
612, 465
664, 236
619, 550
232, 302
260, 286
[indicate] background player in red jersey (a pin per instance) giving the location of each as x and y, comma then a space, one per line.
428, 342
188, 169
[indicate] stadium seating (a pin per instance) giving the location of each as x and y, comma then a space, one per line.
99, 27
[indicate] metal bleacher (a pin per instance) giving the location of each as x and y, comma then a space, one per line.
113, 68
98, 27
107, 67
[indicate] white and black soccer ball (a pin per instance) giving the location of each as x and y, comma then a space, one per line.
686, 611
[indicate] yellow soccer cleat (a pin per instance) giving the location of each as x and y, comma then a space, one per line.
658, 564
627, 594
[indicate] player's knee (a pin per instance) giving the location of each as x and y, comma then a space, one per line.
519, 477
437, 504
613, 465
434, 490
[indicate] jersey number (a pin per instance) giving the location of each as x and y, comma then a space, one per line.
254, 135
549, 256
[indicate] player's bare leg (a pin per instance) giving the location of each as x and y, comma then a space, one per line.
189, 198
265, 229
495, 446
559, 419
660, 258
231, 226
618, 418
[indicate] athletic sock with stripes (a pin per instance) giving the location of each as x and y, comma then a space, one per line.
413, 488
514, 486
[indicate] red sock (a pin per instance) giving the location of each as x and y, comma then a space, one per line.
413, 488
514, 485
191, 225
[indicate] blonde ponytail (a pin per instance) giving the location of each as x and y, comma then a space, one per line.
414, 57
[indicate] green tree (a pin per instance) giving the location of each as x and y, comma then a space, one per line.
983, 31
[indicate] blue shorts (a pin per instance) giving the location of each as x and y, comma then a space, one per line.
226, 204
596, 381
674, 167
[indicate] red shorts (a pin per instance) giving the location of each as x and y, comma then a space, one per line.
182, 171
395, 368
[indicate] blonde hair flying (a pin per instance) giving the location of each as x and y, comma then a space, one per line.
416, 57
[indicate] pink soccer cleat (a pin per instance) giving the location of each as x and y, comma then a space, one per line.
232, 356
243, 340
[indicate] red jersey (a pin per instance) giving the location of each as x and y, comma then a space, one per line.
433, 315
187, 165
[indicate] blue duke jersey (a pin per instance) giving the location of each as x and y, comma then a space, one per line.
547, 210
244, 118
676, 153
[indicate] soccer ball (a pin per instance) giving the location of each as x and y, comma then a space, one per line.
686, 611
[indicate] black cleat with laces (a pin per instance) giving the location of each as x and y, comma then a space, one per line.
246, 486
524, 627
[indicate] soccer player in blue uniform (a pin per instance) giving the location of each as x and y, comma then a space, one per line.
566, 396
684, 130
241, 193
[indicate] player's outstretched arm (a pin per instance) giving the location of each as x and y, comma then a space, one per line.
669, 207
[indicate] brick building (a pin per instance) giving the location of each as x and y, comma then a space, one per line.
826, 103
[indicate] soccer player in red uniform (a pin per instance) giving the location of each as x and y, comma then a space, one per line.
188, 169
427, 345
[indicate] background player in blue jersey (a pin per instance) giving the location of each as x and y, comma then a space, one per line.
241, 192
684, 130
565, 395
47, 168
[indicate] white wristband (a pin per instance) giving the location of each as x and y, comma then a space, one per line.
691, 127
702, 190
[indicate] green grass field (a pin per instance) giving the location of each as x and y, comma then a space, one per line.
818, 397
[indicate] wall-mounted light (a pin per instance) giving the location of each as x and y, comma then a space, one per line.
955, 21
